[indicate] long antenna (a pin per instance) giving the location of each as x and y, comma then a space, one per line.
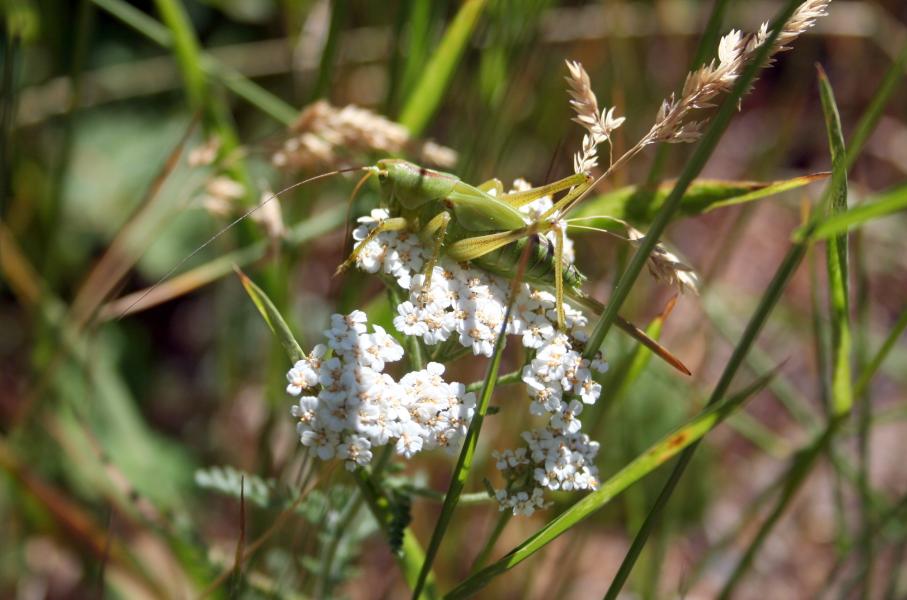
232, 224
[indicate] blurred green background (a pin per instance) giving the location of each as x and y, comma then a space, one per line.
115, 433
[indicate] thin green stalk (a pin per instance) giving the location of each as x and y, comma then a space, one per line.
819, 337
482, 556
329, 52
693, 167
410, 557
878, 358
187, 51
759, 361
864, 417
754, 326
505, 379
707, 44
870, 118
793, 479
464, 462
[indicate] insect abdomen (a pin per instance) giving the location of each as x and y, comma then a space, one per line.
540, 268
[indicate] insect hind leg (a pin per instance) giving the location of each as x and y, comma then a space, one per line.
435, 230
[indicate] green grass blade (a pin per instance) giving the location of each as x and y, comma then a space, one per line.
657, 454
887, 203
693, 167
235, 81
640, 204
876, 361
871, 116
426, 97
419, 21
464, 462
187, 51
272, 317
754, 326
836, 255
794, 478
326, 66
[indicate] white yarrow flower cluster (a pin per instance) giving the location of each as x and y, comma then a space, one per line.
462, 303
467, 306
348, 406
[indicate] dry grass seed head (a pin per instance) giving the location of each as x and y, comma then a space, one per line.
325, 136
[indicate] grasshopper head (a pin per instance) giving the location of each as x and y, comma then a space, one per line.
412, 185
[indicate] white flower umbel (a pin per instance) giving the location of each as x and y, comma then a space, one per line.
467, 305
348, 406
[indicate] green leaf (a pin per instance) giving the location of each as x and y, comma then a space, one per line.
272, 317
836, 254
887, 203
426, 97
657, 454
639, 205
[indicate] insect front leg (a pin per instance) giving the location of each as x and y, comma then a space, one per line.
435, 230
391, 224
559, 275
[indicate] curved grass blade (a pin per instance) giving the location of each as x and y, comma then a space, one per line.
425, 98
887, 203
657, 454
836, 256
272, 317
639, 204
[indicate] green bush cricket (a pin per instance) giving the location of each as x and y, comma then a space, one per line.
470, 224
